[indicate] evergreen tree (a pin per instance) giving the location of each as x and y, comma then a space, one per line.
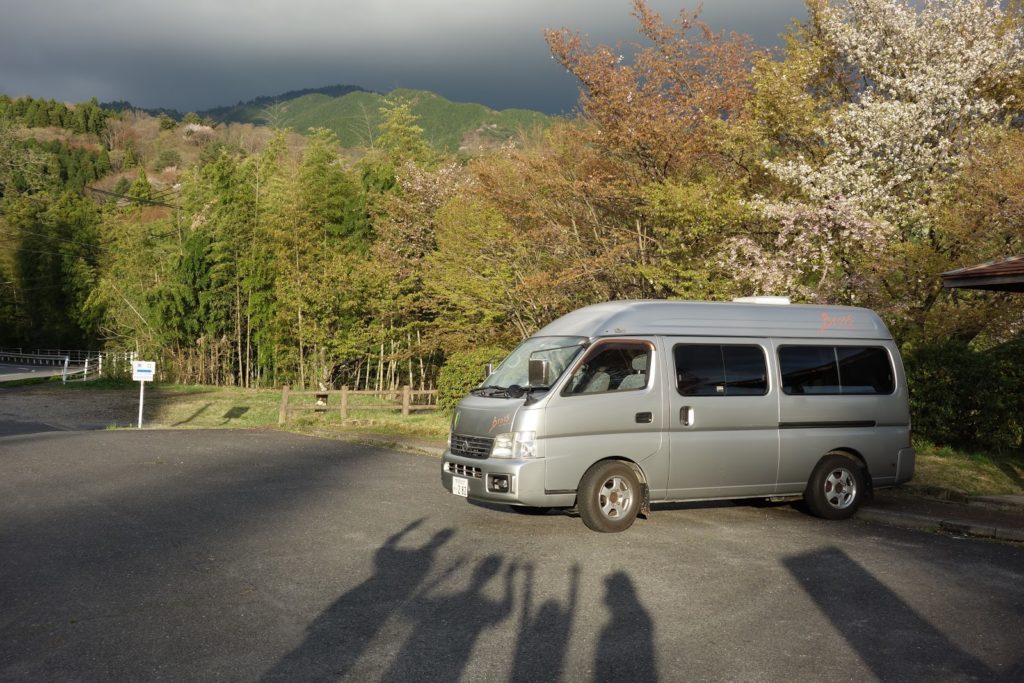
141, 188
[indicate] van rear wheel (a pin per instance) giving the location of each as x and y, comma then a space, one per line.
609, 497
836, 487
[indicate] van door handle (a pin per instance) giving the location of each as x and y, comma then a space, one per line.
686, 416
645, 418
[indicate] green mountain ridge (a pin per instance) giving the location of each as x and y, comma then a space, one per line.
355, 118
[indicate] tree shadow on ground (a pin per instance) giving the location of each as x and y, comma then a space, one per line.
1012, 472
890, 638
193, 416
235, 413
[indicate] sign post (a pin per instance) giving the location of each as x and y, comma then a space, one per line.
142, 372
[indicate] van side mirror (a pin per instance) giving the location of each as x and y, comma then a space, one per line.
539, 373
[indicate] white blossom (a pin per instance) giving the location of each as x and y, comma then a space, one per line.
929, 71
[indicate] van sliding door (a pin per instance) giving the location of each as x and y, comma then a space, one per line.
723, 418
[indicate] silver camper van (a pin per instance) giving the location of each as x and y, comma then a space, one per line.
621, 404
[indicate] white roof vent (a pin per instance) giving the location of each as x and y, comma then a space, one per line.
776, 300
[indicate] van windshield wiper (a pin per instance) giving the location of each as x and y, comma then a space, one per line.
514, 391
493, 391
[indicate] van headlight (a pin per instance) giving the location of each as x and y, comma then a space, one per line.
515, 445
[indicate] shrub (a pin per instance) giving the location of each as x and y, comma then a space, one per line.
461, 372
168, 157
963, 397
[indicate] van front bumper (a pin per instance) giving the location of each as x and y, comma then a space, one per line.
525, 477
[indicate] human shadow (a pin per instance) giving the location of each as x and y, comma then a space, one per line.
338, 637
625, 648
544, 633
893, 640
447, 626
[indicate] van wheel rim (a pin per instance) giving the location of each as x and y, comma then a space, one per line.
614, 498
840, 489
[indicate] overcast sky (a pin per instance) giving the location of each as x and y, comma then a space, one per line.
195, 54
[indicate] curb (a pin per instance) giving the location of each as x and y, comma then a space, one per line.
908, 520
381, 441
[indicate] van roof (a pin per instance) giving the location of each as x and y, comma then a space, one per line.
700, 318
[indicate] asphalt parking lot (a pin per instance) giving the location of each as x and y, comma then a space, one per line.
249, 555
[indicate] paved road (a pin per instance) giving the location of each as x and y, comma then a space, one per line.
261, 555
12, 372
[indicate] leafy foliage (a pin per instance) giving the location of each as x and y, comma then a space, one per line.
962, 396
881, 148
462, 371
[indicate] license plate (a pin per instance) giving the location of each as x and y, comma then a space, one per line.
460, 486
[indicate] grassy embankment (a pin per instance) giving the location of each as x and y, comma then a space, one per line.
178, 406
175, 406
972, 473
201, 407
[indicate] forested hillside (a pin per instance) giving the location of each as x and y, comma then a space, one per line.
878, 150
355, 118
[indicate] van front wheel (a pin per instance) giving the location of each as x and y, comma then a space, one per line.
836, 487
609, 497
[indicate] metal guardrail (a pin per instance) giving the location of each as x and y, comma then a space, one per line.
32, 358
73, 355
77, 364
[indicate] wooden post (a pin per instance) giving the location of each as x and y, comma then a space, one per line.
406, 391
282, 415
344, 402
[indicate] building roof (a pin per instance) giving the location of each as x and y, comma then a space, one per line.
698, 318
1005, 275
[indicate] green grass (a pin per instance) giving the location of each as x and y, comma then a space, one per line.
103, 383
180, 406
187, 406
368, 414
973, 473
31, 381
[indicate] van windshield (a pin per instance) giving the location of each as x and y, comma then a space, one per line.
514, 370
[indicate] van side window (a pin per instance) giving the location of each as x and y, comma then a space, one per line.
720, 370
612, 367
836, 370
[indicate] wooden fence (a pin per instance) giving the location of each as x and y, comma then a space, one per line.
339, 400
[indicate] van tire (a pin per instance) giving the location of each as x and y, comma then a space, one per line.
609, 497
836, 487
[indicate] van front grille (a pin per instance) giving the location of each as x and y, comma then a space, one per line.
471, 446
465, 470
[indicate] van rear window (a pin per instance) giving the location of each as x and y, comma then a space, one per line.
720, 370
836, 370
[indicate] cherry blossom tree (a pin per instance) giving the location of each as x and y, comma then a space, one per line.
931, 78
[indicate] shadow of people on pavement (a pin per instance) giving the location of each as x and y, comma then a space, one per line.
544, 634
447, 627
340, 634
625, 648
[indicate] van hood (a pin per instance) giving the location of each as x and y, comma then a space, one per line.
480, 416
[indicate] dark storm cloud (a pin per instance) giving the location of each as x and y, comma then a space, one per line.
195, 54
